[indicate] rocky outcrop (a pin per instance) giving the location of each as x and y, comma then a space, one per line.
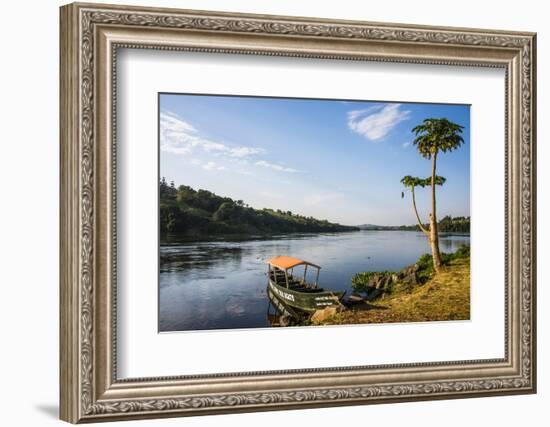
376, 284
326, 313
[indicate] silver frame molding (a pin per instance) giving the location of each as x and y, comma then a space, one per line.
90, 37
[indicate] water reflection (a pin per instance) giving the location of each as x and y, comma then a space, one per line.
222, 284
279, 314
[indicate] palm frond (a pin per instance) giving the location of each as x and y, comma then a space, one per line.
435, 135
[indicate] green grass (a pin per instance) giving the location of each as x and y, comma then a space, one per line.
360, 281
444, 296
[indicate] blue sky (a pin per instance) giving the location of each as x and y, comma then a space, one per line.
331, 159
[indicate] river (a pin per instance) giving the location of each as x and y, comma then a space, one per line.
222, 284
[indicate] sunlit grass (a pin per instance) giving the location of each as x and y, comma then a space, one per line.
444, 296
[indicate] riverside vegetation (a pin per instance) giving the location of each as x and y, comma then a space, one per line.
376, 283
197, 213
415, 294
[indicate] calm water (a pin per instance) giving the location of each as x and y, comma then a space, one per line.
222, 284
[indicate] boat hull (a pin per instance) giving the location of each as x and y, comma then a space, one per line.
308, 302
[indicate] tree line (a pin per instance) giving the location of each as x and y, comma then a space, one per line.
447, 224
191, 212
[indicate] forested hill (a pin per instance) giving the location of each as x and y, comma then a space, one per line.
447, 224
190, 212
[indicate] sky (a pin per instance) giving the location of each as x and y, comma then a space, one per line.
330, 159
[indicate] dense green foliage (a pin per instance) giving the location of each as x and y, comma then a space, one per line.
425, 264
414, 181
190, 212
437, 135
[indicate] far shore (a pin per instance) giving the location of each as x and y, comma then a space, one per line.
171, 238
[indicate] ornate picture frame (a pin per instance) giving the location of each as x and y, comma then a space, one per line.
90, 37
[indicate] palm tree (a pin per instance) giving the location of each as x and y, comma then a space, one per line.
411, 182
434, 136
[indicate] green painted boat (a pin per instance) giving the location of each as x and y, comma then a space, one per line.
293, 288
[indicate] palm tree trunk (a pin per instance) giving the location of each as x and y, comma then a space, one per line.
434, 237
418, 216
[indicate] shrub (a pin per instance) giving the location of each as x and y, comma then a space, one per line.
463, 252
363, 282
360, 282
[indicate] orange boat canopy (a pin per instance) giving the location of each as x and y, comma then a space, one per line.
285, 262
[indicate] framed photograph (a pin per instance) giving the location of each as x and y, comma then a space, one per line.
266, 212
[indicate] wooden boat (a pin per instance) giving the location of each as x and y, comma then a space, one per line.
293, 289
281, 314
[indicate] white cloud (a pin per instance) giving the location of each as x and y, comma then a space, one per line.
275, 166
245, 151
176, 136
405, 144
175, 124
180, 137
213, 166
376, 122
244, 172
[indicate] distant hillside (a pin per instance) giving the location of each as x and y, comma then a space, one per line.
190, 212
376, 227
448, 224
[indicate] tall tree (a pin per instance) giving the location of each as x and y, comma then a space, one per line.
411, 182
432, 137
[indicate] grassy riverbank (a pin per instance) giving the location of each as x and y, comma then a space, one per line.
443, 296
